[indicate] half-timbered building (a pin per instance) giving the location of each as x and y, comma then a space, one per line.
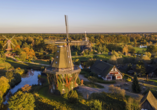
106, 71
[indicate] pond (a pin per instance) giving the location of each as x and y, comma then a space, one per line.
30, 78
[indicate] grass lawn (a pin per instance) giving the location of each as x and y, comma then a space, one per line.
16, 64
154, 80
93, 85
47, 101
150, 86
141, 50
41, 61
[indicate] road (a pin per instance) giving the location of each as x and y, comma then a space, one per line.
88, 90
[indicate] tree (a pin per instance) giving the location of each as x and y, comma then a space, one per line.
151, 49
9, 75
76, 53
23, 56
4, 84
135, 85
22, 101
1, 98
95, 105
148, 54
113, 60
26, 88
125, 49
72, 96
146, 59
18, 51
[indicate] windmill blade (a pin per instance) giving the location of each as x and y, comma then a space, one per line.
66, 27
12, 37
12, 44
5, 44
5, 37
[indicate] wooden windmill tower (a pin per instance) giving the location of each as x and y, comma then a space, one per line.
62, 75
8, 44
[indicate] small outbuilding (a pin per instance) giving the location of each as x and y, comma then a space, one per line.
106, 71
149, 102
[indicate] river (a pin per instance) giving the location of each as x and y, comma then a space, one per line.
30, 78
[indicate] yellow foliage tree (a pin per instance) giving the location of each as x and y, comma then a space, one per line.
113, 60
4, 84
148, 54
125, 49
146, 59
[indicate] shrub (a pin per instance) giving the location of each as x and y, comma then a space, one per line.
128, 80
95, 105
72, 96
117, 90
19, 71
78, 81
65, 96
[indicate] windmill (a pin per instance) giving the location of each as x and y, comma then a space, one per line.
8, 44
62, 75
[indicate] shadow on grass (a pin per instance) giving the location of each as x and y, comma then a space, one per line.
58, 101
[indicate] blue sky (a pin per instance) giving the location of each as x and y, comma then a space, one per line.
47, 16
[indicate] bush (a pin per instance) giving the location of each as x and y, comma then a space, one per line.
78, 81
19, 71
65, 96
128, 80
95, 105
117, 91
72, 96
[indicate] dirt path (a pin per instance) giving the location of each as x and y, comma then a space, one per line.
88, 90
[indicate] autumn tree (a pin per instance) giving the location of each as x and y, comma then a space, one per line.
9, 75
146, 59
148, 54
1, 98
113, 60
4, 84
125, 49
29, 53
26, 88
22, 101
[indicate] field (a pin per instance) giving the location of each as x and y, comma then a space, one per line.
140, 50
16, 64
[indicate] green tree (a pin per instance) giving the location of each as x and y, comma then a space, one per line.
135, 85
22, 101
9, 75
72, 96
95, 105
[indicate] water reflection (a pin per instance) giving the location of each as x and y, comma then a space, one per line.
30, 78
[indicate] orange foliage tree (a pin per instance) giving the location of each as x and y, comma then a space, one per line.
29, 53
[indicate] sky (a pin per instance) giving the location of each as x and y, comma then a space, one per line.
93, 16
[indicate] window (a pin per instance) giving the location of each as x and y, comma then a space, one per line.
57, 50
56, 61
56, 56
